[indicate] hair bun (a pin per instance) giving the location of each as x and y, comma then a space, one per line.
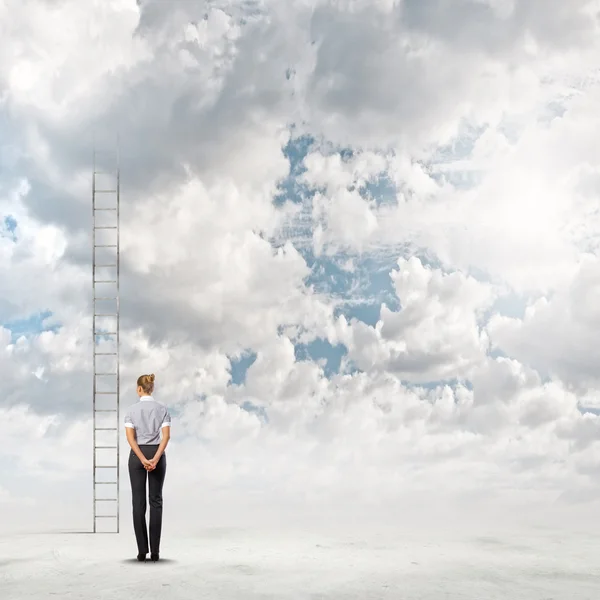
151, 377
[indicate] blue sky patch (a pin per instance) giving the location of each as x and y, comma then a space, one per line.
381, 190
461, 146
459, 149
327, 274
290, 189
346, 154
367, 313
259, 411
509, 305
360, 291
322, 351
32, 325
9, 228
240, 366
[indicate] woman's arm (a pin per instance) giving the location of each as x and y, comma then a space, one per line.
134, 445
166, 436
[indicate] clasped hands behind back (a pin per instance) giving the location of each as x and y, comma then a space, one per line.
149, 465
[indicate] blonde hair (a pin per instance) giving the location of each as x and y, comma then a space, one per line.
146, 382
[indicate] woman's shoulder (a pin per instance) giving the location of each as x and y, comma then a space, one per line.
160, 403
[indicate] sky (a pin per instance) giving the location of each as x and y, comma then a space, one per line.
360, 250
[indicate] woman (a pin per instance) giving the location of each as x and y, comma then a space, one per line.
144, 423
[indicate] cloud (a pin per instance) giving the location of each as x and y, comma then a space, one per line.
435, 334
411, 72
386, 182
556, 334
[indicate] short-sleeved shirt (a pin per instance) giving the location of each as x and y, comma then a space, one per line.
147, 417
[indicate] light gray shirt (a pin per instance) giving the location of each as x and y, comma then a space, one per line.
147, 417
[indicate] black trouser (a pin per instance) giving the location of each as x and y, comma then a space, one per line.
138, 475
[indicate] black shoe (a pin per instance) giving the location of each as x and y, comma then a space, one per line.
141, 557
154, 557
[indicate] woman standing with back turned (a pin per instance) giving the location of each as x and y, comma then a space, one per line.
144, 422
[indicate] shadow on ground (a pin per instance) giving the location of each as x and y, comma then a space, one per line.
162, 560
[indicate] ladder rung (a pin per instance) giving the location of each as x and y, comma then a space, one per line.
106, 298
106, 447
104, 208
105, 353
105, 409
106, 281
105, 227
106, 500
105, 191
106, 428
105, 332
106, 315
106, 516
105, 482
105, 246
106, 466
107, 375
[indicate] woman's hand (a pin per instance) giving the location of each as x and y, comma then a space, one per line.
152, 464
148, 464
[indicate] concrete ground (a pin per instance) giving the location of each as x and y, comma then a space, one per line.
243, 564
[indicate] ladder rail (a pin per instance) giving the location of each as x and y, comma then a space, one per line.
118, 325
111, 334
94, 341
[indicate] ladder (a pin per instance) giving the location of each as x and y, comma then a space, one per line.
105, 332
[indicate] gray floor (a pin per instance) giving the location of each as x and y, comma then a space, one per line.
246, 565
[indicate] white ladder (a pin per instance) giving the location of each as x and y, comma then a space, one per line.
105, 331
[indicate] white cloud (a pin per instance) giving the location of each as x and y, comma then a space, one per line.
557, 334
54, 54
483, 120
435, 335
